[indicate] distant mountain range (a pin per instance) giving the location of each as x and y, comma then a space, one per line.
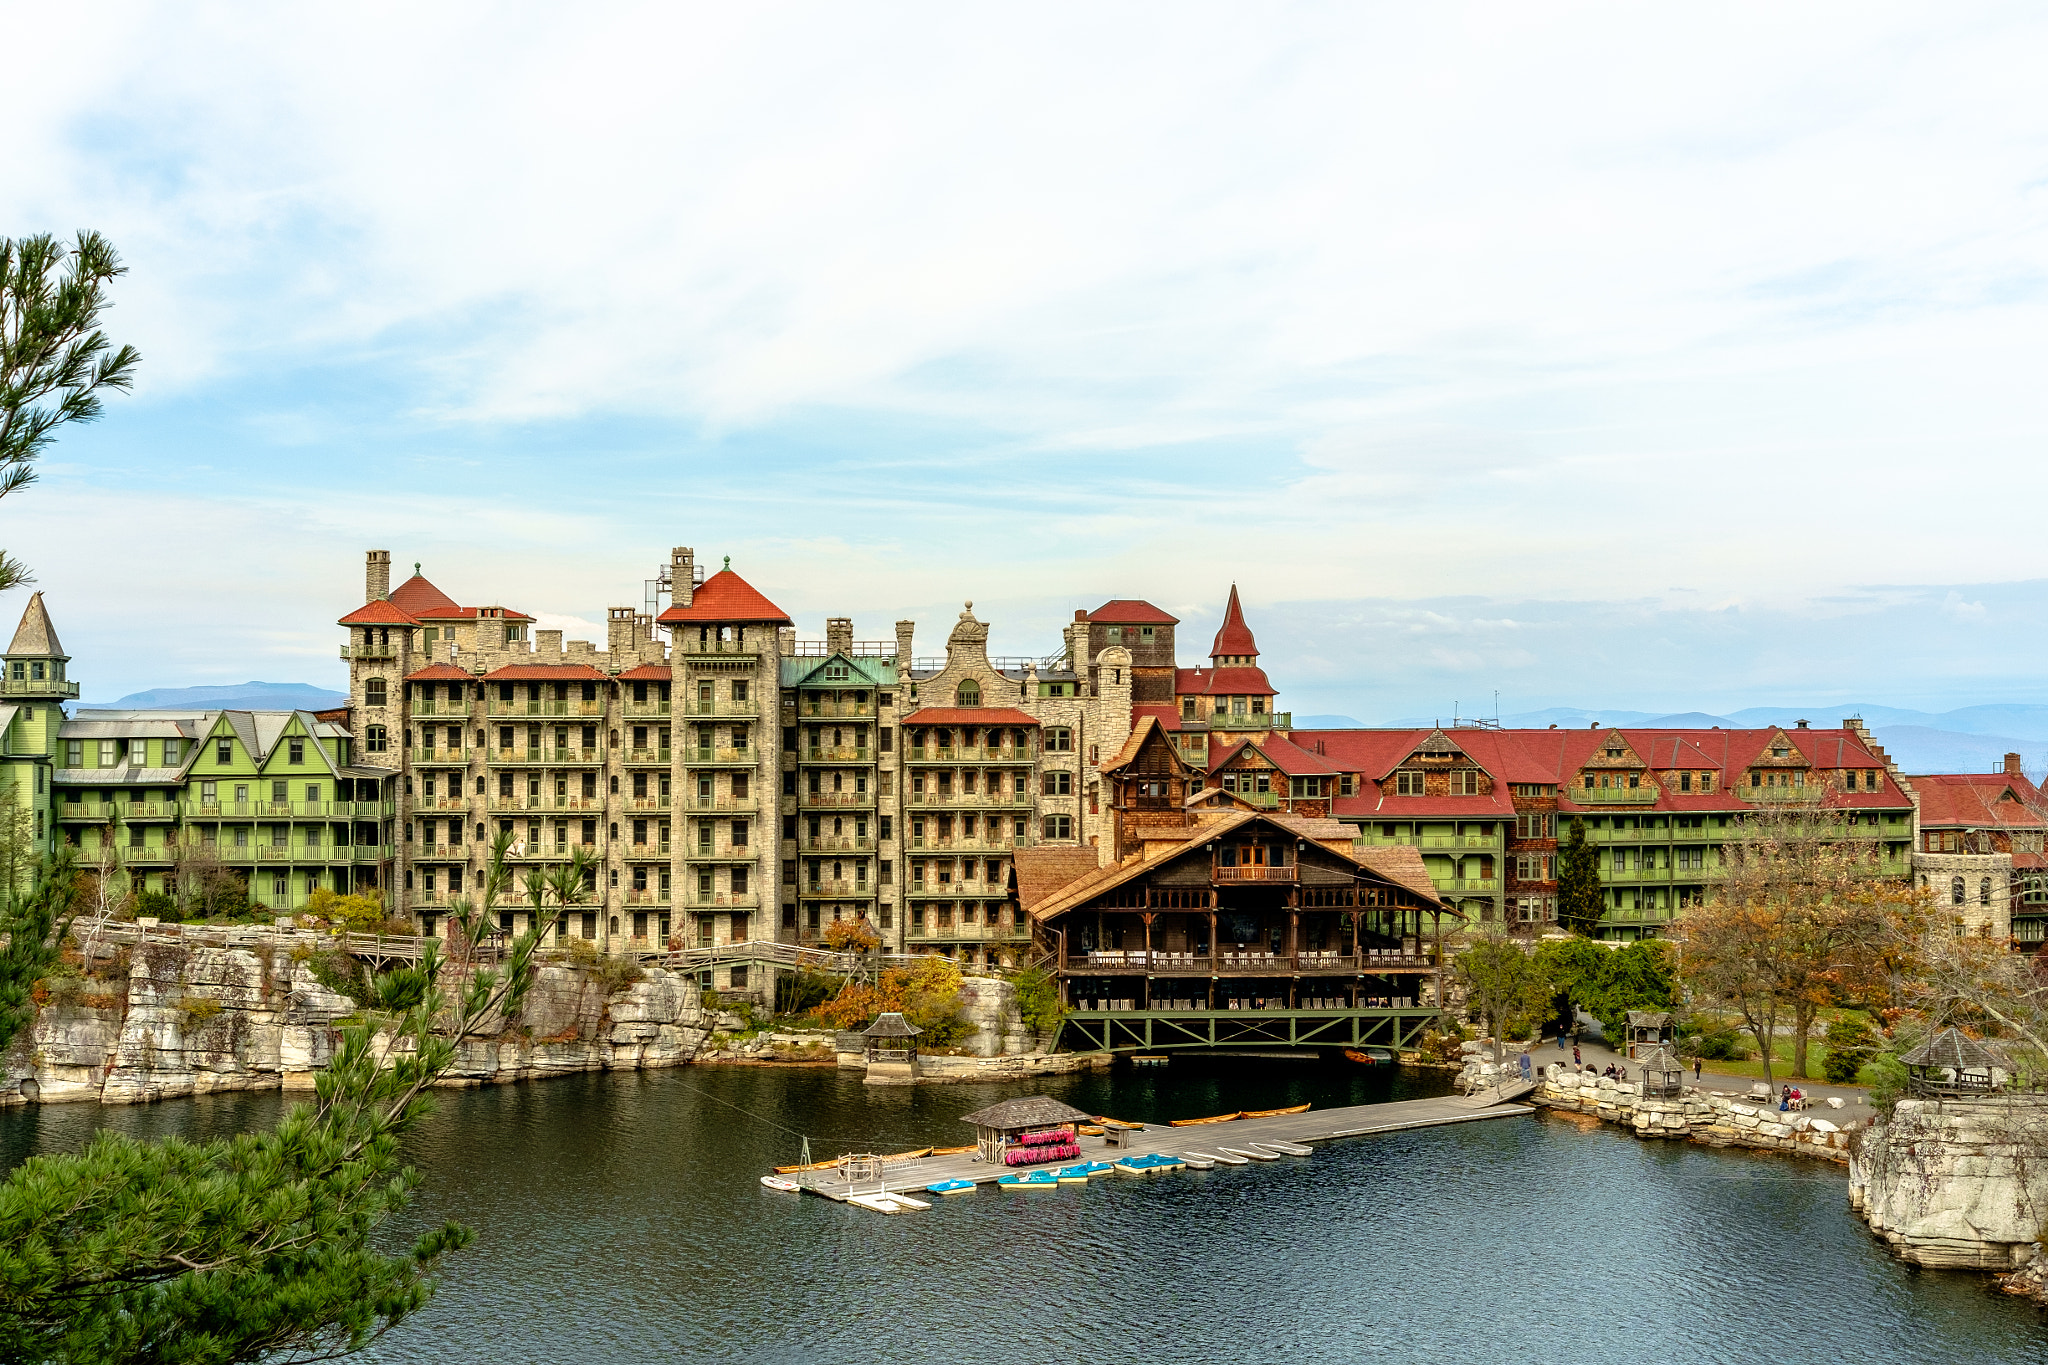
248, 696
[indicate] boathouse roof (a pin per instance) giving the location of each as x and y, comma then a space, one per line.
1027, 1111
1950, 1048
892, 1025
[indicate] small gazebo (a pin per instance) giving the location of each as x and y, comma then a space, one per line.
1647, 1029
1032, 1116
1663, 1074
1950, 1064
891, 1047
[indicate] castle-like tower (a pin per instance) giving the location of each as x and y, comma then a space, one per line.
33, 691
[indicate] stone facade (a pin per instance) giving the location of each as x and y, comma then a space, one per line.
1973, 888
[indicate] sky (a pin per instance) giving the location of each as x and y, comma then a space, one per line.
1596, 355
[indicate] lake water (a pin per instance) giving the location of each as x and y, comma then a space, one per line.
620, 1219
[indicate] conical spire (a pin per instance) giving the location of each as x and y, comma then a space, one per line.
35, 637
1234, 640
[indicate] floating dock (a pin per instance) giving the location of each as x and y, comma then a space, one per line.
1317, 1125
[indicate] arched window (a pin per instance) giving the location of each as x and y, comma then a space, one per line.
373, 692
1956, 892
1984, 891
969, 693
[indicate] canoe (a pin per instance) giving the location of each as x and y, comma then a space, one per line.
776, 1182
1285, 1148
1352, 1054
950, 1187
949, 1151
1198, 1161
1273, 1113
1255, 1153
834, 1163
1088, 1129
1120, 1123
1216, 1118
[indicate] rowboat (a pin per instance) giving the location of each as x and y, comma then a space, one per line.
950, 1187
776, 1182
948, 1151
1214, 1118
1273, 1113
1226, 1157
1255, 1153
1369, 1056
1198, 1161
1286, 1148
1120, 1123
1036, 1180
926, 1151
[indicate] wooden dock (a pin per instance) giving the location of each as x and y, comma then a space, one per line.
1317, 1125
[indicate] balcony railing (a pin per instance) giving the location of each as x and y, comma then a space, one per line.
724, 900
1613, 796
841, 887
721, 853
514, 804
963, 754
835, 843
1000, 843
352, 652
529, 707
839, 798
643, 756
647, 708
978, 932
716, 707
719, 754
1271, 720
286, 810
972, 800
1256, 874
640, 803
446, 756
837, 710
647, 896
655, 848
841, 753
727, 803
1781, 795
960, 890
1467, 884
561, 758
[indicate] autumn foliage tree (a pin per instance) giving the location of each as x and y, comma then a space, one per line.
927, 994
1804, 919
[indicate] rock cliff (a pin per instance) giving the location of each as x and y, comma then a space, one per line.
195, 1019
1956, 1183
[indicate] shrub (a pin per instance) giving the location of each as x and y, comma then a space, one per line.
160, 904
1888, 1080
342, 974
851, 936
615, 973
362, 912
1038, 1001
198, 1010
1717, 1044
802, 991
1850, 1041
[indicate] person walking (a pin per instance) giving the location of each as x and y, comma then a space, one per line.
1695, 1071
1576, 1059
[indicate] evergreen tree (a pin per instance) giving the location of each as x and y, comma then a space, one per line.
1578, 883
264, 1245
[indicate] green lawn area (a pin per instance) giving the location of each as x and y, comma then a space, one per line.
1781, 1052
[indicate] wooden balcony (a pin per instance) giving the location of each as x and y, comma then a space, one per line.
1256, 874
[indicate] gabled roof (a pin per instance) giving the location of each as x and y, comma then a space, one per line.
1976, 799
861, 672
35, 637
440, 673
1043, 871
545, 673
969, 715
647, 673
381, 612
1397, 868
1233, 636
1237, 681
423, 601
1164, 713
1026, 1111
1292, 759
1130, 611
725, 596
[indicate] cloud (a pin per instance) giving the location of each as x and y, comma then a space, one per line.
1954, 605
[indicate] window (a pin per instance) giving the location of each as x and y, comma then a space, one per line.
1062, 827
107, 753
1144, 632
1347, 784
1059, 784
373, 692
968, 694
374, 740
297, 752
1984, 891
1059, 740
1465, 782
1956, 892
1407, 783
74, 753
1685, 782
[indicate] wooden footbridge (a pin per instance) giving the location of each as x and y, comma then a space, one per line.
1179, 1030
1316, 1125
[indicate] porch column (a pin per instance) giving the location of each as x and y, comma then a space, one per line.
1294, 938
1148, 916
1214, 947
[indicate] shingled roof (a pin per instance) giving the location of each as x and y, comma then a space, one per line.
1950, 1048
1026, 1111
35, 636
1233, 637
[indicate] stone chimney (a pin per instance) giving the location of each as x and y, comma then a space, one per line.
2012, 766
377, 576
839, 635
903, 634
621, 631
682, 562
785, 641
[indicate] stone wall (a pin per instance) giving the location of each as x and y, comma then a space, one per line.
195, 1020
1957, 1183
1712, 1117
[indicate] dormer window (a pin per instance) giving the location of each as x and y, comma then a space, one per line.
1778, 752
1407, 783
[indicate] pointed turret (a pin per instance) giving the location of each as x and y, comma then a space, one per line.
35, 660
1234, 646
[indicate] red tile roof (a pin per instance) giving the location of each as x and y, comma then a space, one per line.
1167, 715
1234, 636
725, 596
440, 673
647, 673
1978, 800
1222, 682
378, 613
425, 601
969, 715
1130, 611
545, 673
1292, 759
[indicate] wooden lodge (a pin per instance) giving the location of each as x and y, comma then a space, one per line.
1223, 923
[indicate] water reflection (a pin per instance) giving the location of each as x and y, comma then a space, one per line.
620, 1219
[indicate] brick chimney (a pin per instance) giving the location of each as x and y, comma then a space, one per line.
904, 631
377, 576
2012, 766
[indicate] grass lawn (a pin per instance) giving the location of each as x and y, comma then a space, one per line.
1781, 1052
